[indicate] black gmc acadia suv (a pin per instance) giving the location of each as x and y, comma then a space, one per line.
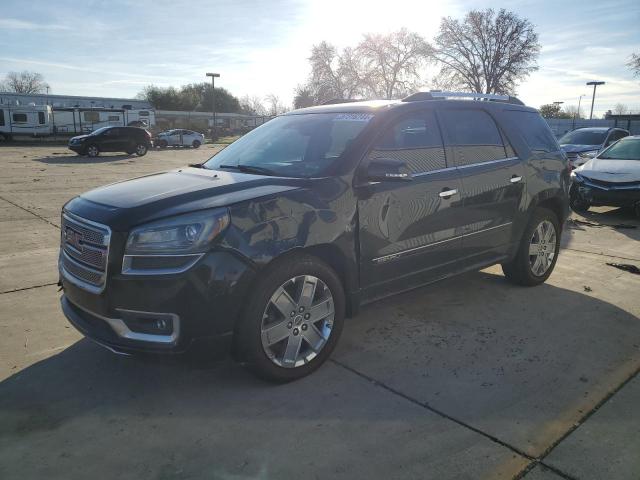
112, 139
263, 250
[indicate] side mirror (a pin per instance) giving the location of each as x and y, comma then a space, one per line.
388, 170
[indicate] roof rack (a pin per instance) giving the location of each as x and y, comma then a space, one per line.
437, 94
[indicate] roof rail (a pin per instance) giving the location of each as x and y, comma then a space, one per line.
333, 101
436, 94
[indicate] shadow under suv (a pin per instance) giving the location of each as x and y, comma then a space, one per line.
265, 249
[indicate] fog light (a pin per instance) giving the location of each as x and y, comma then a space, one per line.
161, 324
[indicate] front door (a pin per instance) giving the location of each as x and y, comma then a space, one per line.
492, 177
409, 231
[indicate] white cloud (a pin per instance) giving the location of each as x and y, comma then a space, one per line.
16, 24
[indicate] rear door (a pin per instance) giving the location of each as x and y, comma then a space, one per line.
409, 230
108, 140
492, 179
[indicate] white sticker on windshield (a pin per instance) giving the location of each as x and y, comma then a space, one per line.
353, 117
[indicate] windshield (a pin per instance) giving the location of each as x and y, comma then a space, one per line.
99, 131
583, 137
293, 145
625, 149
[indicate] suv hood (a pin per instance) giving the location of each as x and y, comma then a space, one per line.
572, 148
184, 184
79, 137
611, 170
172, 193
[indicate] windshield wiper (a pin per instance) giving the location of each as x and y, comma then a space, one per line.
250, 169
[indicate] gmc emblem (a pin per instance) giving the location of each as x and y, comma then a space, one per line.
73, 238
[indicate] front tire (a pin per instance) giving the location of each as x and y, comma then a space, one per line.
196, 144
293, 321
577, 203
538, 251
93, 151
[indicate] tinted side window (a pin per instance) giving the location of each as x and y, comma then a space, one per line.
473, 135
534, 130
41, 118
1, 118
415, 140
20, 117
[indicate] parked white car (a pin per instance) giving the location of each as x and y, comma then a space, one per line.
179, 138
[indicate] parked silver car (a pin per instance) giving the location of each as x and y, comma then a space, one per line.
179, 138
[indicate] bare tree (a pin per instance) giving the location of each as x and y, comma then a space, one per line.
333, 74
572, 111
275, 105
392, 63
634, 64
24, 82
486, 52
252, 105
620, 109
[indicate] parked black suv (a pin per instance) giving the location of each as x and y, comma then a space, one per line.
266, 247
112, 139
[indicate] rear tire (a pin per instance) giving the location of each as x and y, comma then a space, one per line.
275, 333
141, 150
93, 151
196, 144
578, 204
538, 250
163, 144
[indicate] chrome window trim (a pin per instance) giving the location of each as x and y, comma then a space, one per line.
489, 162
121, 329
401, 253
128, 270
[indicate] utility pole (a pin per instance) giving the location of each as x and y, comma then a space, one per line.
213, 103
593, 98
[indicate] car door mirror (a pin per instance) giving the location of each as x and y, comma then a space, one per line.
388, 170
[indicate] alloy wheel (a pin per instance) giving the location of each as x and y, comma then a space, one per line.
542, 248
141, 149
297, 321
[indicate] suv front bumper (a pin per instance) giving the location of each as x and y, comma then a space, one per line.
164, 313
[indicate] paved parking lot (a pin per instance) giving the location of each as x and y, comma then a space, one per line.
472, 378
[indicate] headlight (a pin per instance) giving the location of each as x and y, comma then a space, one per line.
589, 154
174, 244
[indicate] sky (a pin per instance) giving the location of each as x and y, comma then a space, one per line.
116, 47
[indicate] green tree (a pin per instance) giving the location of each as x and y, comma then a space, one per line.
553, 110
194, 96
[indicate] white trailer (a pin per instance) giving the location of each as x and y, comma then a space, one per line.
85, 120
42, 120
27, 120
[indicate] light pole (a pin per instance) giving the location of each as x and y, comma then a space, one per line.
213, 102
578, 112
595, 84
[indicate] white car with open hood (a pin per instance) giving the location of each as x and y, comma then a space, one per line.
610, 178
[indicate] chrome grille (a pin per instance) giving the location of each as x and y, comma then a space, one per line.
84, 252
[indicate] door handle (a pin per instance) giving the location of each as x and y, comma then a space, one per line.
515, 179
446, 193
